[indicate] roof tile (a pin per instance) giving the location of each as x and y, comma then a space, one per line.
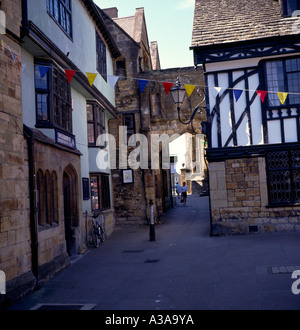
225, 21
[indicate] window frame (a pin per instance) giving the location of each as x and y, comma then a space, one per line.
101, 57
131, 130
98, 122
47, 199
43, 91
61, 109
292, 172
62, 9
268, 105
103, 191
121, 71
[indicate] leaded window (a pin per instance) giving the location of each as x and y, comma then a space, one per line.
61, 12
47, 199
283, 76
101, 57
62, 103
42, 92
96, 123
129, 122
284, 177
100, 192
53, 98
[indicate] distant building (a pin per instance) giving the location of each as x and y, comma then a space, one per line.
148, 112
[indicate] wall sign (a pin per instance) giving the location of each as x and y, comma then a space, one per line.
65, 139
86, 189
127, 176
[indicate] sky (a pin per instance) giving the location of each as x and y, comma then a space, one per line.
169, 22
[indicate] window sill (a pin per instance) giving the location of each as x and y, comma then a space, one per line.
53, 126
272, 206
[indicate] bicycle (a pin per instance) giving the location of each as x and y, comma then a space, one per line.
97, 232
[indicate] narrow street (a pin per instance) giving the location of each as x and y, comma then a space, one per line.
184, 269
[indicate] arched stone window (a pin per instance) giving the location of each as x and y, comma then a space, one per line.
54, 198
40, 185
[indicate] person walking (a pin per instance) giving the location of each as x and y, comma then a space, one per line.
184, 189
177, 187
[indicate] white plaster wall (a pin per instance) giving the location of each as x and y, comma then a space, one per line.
274, 130
28, 89
82, 47
290, 130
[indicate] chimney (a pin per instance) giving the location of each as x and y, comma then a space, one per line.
111, 12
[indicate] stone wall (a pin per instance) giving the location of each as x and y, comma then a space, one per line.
53, 158
15, 250
239, 199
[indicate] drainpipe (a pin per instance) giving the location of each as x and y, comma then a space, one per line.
25, 22
33, 225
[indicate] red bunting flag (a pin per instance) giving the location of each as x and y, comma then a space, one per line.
70, 74
262, 95
167, 87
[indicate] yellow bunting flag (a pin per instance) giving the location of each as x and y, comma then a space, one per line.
189, 89
282, 97
91, 77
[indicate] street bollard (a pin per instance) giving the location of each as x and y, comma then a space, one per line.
152, 224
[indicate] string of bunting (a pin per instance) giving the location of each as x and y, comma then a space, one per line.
168, 85
16, 59
282, 96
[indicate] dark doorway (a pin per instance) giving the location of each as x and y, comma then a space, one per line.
71, 214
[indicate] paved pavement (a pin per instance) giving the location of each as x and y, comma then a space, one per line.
184, 269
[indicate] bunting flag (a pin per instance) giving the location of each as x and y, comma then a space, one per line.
43, 70
167, 87
112, 80
282, 97
69, 74
237, 94
142, 84
262, 95
218, 89
91, 77
189, 89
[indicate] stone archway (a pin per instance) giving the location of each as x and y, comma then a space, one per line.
152, 112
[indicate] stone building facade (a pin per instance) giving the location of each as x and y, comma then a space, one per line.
15, 248
146, 113
50, 179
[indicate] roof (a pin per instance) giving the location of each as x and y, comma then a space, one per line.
127, 24
219, 22
133, 25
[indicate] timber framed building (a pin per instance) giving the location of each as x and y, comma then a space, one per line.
250, 51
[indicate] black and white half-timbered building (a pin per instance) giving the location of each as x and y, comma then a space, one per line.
250, 51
